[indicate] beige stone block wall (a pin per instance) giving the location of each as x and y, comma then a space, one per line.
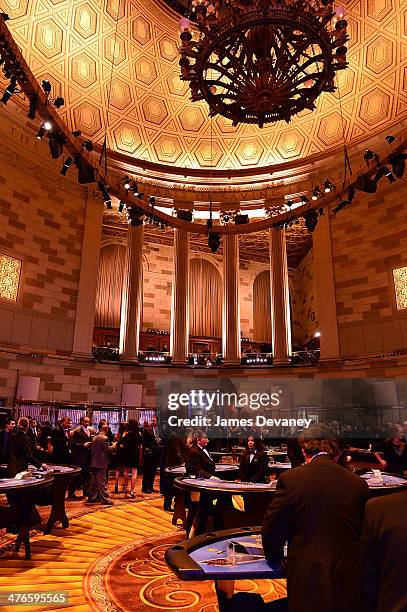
369, 240
41, 219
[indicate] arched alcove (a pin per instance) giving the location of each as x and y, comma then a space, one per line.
205, 299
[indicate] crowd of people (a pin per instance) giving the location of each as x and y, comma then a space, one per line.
95, 451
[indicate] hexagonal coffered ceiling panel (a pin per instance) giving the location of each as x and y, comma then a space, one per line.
75, 43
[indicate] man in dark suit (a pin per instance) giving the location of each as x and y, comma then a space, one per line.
99, 461
80, 445
21, 450
198, 461
34, 431
318, 508
5, 435
61, 443
384, 555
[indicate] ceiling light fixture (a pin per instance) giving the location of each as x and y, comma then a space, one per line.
262, 62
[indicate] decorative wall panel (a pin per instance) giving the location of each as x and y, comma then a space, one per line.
10, 272
400, 287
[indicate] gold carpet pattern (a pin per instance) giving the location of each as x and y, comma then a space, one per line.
122, 546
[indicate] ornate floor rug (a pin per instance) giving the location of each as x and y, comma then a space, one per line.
136, 577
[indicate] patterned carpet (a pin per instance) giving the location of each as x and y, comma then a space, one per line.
111, 559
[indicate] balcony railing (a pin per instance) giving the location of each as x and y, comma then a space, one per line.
208, 360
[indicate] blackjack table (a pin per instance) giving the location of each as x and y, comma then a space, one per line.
61, 477
18, 514
232, 554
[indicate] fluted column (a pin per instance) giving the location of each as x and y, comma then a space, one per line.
231, 307
85, 309
132, 295
280, 298
325, 290
180, 298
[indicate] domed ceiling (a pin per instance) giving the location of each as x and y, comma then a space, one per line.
72, 43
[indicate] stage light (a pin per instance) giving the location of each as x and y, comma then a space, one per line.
317, 334
59, 102
33, 106
66, 166
369, 155
10, 89
56, 142
398, 164
47, 125
214, 241
388, 174
364, 183
151, 201
76, 133
290, 203
390, 139
316, 192
105, 194
327, 186
311, 220
46, 85
127, 183
87, 145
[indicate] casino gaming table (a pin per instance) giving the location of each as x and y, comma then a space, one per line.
279, 466
391, 483
62, 475
223, 470
257, 497
20, 496
206, 558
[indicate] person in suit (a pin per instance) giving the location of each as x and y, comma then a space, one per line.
174, 455
318, 508
34, 431
80, 445
99, 461
61, 443
198, 462
151, 456
253, 464
5, 435
22, 450
384, 554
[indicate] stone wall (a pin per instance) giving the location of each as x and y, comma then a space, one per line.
41, 220
369, 240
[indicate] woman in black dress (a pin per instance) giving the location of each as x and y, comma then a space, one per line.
129, 452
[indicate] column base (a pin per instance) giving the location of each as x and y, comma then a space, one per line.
82, 356
281, 361
179, 362
232, 362
128, 358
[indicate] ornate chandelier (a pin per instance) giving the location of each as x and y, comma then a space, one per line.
262, 61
